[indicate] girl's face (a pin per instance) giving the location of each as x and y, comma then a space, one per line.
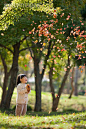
24, 79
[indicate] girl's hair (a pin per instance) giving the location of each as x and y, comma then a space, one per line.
20, 76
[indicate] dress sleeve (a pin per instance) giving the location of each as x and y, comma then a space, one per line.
21, 90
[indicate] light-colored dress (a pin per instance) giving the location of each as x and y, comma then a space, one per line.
22, 95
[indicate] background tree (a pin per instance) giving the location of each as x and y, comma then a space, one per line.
16, 39
7, 70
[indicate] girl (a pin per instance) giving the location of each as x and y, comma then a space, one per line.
22, 95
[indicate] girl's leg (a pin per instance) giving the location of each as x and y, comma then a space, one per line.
19, 109
24, 109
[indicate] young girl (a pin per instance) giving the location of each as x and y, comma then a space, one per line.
22, 95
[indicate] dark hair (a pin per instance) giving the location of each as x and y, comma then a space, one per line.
20, 76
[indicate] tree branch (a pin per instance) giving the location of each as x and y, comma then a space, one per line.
30, 50
4, 64
1, 45
47, 56
23, 49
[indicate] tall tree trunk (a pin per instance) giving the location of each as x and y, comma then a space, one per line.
76, 79
6, 76
38, 82
52, 90
72, 80
63, 82
62, 85
56, 99
13, 76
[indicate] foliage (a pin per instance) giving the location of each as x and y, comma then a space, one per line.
12, 12
81, 59
2, 3
83, 13
74, 7
7, 56
34, 23
24, 61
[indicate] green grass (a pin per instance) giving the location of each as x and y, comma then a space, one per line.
71, 121
71, 114
77, 103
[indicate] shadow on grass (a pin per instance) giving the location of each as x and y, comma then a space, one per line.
32, 113
7, 111
12, 110
80, 127
68, 111
7, 126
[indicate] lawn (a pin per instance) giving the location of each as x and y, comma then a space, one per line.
71, 121
71, 114
77, 103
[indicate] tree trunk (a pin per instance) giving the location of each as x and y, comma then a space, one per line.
38, 82
51, 85
6, 76
72, 80
54, 100
76, 79
4, 89
38, 77
63, 83
13, 76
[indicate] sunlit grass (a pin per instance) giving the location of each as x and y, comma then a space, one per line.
68, 116
77, 103
71, 121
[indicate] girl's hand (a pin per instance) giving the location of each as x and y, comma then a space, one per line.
28, 88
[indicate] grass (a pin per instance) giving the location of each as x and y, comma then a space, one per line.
77, 103
71, 121
71, 114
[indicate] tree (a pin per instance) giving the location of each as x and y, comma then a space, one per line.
56, 65
40, 47
16, 39
14, 48
69, 43
3, 54
41, 35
